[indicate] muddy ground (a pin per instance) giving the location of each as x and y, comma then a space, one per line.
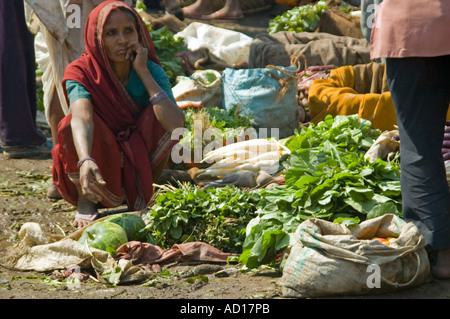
23, 186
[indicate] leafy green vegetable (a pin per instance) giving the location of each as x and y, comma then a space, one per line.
217, 216
326, 177
167, 48
299, 19
227, 123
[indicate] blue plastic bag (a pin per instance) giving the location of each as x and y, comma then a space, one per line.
267, 95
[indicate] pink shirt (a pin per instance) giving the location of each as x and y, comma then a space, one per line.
411, 28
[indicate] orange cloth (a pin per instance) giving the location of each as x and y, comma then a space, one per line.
359, 89
338, 95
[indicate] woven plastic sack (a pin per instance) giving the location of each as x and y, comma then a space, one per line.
267, 95
330, 259
202, 88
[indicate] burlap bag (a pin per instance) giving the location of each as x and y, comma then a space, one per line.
330, 259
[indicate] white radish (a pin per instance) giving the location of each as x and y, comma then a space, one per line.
238, 154
249, 145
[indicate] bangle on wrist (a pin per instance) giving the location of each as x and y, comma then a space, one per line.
81, 161
161, 95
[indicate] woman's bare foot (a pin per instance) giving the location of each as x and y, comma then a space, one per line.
172, 7
231, 11
86, 212
440, 267
198, 9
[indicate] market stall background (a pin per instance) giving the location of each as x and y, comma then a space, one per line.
23, 188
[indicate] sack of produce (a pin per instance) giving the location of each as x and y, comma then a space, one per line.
268, 96
202, 88
376, 256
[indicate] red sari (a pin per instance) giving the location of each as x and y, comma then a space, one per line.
128, 140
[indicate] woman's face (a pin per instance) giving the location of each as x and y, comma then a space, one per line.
118, 31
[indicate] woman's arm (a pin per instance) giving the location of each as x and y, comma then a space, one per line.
166, 111
82, 125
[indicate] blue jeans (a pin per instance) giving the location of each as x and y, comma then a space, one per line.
420, 90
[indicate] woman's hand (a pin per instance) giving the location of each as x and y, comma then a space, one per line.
91, 182
138, 56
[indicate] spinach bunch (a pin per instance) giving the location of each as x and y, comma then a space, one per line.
217, 216
299, 19
167, 48
326, 177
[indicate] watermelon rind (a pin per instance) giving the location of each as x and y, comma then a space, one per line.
133, 225
104, 235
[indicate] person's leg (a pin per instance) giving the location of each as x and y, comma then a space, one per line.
56, 115
231, 11
172, 7
17, 80
420, 92
198, 9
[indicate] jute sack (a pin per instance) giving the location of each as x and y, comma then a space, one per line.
330, 259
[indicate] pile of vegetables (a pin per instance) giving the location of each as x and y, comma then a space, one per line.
227, 125
167, 48
217, 216
306, 77
326, 177
250, 155
299, 19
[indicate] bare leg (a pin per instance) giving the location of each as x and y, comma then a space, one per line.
172, 7
198, 9
441, 267
56, 115
230, 11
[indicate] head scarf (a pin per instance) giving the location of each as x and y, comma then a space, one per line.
93, 70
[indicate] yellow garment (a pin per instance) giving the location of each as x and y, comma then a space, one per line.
360, 89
